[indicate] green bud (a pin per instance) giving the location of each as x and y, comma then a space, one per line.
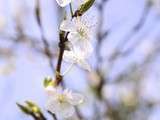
33, 107
48, 82
24, 109
85, 7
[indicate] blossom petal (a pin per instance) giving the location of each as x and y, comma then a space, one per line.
88, 47
75, 99
73, 37
67, 26
85, 47
50, 91
82, 45
66, 110
85, 65
77, 57
69, 56
53, 91
63, 3
52, 105
63, 109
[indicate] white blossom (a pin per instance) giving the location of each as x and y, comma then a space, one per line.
61, 102
80, 33
79, 36
63, 3
77, 57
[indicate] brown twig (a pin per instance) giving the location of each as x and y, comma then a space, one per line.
60, 57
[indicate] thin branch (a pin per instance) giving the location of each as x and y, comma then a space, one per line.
60, 57
53, 115
71, 9
47, 50
137, 27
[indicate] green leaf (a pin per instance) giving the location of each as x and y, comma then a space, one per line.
33, 107
48, 82
85, 7
24, 109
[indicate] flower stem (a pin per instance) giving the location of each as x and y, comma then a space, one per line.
60, 57
71, 9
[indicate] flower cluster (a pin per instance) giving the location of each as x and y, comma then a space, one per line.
80, 38
61, 102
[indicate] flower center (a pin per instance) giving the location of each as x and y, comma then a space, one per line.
61, 98
82, 32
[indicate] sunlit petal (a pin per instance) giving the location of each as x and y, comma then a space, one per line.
63, 3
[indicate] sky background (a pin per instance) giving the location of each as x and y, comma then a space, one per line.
24, 79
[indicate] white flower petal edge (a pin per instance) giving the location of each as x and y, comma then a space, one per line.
78, 44
75, 99
78, 58
67, 25
61, 102
85, 65
63, 3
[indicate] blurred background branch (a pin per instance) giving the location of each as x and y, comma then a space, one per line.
121, 76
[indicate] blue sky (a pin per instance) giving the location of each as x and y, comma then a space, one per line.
25, 81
